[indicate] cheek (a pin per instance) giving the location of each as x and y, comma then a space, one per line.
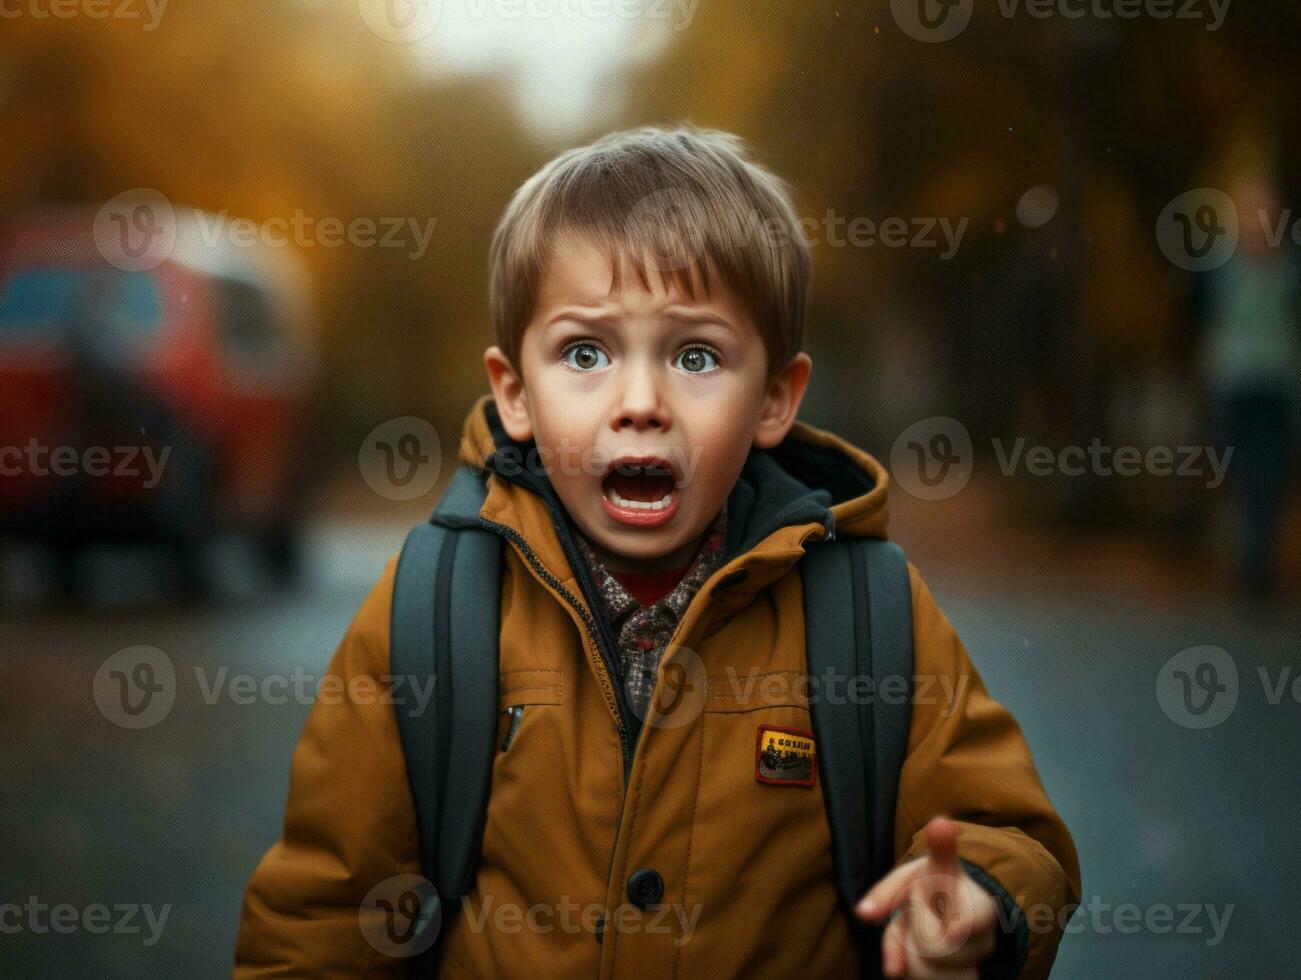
565, 431
563, 401
723, 449
723, 417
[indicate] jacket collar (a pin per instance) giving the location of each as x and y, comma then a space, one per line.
813, 485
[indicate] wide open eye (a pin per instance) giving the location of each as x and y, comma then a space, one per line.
698, 359
586, 356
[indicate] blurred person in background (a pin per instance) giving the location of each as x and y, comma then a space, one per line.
1250, 360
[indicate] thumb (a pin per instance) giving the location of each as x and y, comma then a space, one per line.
942, 844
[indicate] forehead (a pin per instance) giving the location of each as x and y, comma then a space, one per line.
584, 272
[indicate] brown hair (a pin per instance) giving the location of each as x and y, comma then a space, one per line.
688, 200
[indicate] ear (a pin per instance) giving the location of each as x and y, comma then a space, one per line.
509, 394
781, 402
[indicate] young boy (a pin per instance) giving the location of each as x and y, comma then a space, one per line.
648, 295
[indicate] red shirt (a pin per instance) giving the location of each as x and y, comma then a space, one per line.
647, 587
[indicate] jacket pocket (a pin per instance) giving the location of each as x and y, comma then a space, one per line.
755, 691
520, 690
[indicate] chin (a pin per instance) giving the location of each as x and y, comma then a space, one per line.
640, 544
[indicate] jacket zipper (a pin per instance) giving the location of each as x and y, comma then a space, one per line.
611, 692
516, 713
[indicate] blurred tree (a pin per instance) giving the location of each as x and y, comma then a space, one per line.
265, 110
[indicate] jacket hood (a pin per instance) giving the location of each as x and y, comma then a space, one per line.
813, 485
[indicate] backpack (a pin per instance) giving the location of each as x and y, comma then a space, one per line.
445, 623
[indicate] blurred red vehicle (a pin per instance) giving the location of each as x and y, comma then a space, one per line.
160, 404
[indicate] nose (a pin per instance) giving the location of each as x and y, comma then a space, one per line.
640, 405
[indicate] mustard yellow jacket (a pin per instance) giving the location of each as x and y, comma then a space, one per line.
745, 864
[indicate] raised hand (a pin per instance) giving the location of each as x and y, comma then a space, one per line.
945, 921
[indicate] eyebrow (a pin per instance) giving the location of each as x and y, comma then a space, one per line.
595, 319
685, 317
688, 317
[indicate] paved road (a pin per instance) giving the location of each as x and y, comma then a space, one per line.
1187, 837
1200, 822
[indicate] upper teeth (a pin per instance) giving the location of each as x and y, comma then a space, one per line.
619, 501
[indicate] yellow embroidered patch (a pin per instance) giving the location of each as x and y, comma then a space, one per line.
785, 756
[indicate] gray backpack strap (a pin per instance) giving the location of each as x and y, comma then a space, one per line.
444, 630
858, 623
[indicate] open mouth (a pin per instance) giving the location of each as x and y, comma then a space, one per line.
640, 492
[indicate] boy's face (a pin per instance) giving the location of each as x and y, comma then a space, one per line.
609, 375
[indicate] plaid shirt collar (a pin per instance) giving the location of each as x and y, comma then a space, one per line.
618, 602
643, 633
